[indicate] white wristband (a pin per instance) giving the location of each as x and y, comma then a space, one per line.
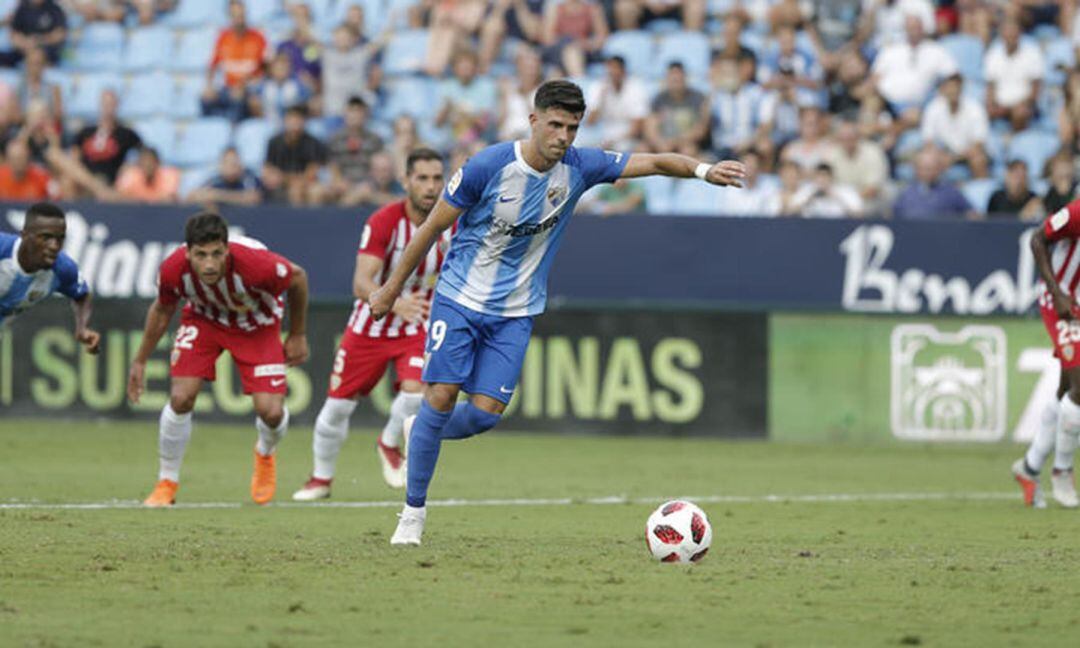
702, 170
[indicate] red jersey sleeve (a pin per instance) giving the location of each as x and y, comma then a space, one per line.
1064, 223
379, 231
169, 277
261, 268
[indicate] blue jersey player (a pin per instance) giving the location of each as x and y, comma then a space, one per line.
512, 202
32, 267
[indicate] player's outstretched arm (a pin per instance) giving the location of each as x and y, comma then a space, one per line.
728, 173
85, 335
442, 216
296, 344
157, 323
1040, 249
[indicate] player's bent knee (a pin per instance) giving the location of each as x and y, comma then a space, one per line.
182, 402
441, 397
270, 413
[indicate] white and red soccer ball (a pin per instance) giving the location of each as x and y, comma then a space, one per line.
678, 532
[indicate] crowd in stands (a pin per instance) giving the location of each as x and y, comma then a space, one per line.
908, 109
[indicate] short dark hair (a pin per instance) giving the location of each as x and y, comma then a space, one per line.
296, 109
418, 154
43, 210
356, 101
615, 58
206, 227
676, 65
824, 166
1016, 162
561, 94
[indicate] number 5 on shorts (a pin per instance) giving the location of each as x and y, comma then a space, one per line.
437, 334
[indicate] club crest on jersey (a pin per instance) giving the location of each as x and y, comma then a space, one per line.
455, 181
1068, 352
556, 195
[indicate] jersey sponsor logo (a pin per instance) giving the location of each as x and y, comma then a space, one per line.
524, 229
455, 182
262, 371
416, 361
1059, 219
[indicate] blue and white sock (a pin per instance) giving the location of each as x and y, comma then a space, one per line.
424, 442
468, 420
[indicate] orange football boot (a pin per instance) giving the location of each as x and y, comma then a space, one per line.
164, 494
264, 478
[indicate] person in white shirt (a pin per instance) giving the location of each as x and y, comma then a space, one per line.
823, 197
905, 72
619, 105
752, 199
959, 125
1014, 72
886, 17
859, 163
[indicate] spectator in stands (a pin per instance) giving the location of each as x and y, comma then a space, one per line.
877, 121
1068, 117
959, 125
887, 20
813, 144
293, 160
233, 184
453, 25
520, 20
573, 34
349, 69
380, 187
103, 147
780, 110
354, 21
736, 108
906, 71
824, 198
1014, 198
100, 10
239, 53
622, 197
467, 101
40, 131
1062, 188
34, 87
929, 197
787, 14
679, 119
303, 49
635, 14
148, 181
148, 11
406, 139
36, 24
22, 180
834, 28
1014, 72
859, 163
849, 87
279, 91
781, 202
618, 105
753, 198
516, 94
351, 150
789, 65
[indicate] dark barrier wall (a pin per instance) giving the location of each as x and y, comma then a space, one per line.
746, 264
586, 371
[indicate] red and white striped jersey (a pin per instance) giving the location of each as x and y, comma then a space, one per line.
386, 233
247, 297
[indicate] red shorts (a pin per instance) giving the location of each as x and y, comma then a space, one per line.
1065, 334
361, 362
259, 355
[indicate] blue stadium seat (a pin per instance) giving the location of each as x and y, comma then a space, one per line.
259, 12
321, 11
5, 37
202, 141
636, 48
1034, 147
663, 26
978, 192
194, 50
99, 48
250, 138
146, 95
658, 190
398, 12
186, 97
85, 98
690, 48
196, 177
694, 198
415, 96
968, 52
148, 48
159, 133
197, 13
406, 51
1059, 57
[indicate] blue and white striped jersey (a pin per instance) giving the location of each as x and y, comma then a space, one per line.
513, 219
20, 290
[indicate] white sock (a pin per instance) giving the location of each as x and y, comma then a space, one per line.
1043, 443
405, 405
1068, 431
414, 511
331, 428
173, 435
268, 439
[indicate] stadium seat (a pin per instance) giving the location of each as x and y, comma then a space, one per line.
259, 12
1059, 57
978, 192
202, 141
693, 198
146, 95
197, 13
321, 11
5, 38
908, 144
635, 47
85, 98
194, 50
159, 133
397, 11
99, 48
1034, 147
415, 96
196, 177
250, 138
186, 102
148, 48
968, 53
658, 190
689, 48
406, 51
663, 26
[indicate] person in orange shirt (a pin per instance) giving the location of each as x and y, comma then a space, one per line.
21, 180
240, 54
147, 180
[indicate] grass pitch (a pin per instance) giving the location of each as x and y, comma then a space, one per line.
861, 572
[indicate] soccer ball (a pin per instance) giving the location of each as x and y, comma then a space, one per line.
678, 531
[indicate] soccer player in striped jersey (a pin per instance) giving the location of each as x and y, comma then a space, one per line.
233, 291
511, 202
33, 267
369, 346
